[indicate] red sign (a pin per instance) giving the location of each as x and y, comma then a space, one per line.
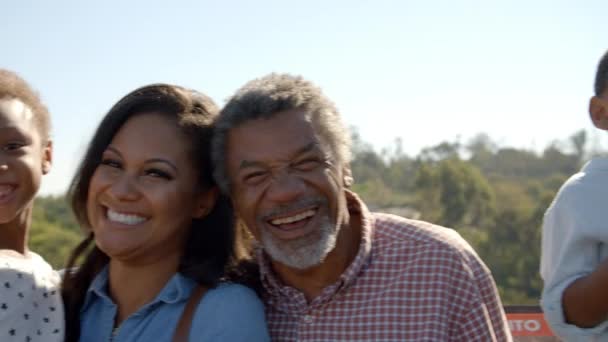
528, 324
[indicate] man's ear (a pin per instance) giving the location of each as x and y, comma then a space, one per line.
47, 157
598, 110
347, 177
205, 202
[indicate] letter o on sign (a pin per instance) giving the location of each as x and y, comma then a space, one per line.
532, 325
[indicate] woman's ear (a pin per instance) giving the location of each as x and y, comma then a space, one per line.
205, 202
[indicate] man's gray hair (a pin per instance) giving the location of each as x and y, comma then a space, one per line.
265, 97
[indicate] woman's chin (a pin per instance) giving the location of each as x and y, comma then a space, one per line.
116, 249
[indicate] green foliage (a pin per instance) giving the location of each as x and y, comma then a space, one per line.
54, 232
454, 193
52, 242
495, 197
55, 209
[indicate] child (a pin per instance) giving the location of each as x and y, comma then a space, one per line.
30, 303
574, 260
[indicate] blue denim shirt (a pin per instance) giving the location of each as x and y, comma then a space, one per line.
229, 312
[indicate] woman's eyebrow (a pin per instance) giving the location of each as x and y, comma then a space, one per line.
148, 161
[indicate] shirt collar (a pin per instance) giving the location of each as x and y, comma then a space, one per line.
597, 163
358, 210
177, 288
97, 289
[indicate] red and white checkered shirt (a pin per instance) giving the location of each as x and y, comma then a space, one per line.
410, 281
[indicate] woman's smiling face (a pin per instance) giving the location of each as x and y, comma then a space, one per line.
144, 193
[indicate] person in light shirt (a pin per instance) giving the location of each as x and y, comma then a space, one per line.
30, 302
574, 258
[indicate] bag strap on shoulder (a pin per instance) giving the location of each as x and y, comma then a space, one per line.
182, 331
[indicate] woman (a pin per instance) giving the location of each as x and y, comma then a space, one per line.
144, 191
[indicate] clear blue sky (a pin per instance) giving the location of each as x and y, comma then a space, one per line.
425, 71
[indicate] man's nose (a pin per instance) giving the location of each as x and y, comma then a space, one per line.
285, 187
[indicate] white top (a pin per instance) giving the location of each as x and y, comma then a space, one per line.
574, 243
30, 303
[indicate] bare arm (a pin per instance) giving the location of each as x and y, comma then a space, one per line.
585, 301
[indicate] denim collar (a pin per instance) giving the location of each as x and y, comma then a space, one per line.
178, 288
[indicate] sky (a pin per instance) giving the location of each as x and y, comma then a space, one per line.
423, 71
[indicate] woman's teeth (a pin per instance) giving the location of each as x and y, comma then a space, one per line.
128, 219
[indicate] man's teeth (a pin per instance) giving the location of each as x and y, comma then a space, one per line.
124, 218
5, 190
294, 218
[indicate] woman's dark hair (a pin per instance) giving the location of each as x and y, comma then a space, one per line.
210, 252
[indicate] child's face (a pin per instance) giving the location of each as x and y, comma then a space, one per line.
24, 158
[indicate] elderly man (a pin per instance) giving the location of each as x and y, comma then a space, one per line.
331, 270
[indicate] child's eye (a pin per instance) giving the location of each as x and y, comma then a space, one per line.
111, 163
158, 173
13, 146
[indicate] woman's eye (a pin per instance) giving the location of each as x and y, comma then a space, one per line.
158, 173
111, 163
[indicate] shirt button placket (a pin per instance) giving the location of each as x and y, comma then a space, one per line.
304, 332
307, 319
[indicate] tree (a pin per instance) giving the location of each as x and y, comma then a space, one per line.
455, 192
53, 242
54, 232
579, 143
444, 150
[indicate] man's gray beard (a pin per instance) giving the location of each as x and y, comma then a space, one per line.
303, 252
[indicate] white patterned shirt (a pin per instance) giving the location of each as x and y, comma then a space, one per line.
31, 309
